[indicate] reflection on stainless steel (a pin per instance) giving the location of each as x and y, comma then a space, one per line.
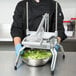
35, 71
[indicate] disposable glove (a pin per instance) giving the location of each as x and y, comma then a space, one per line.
17, 48
57, 47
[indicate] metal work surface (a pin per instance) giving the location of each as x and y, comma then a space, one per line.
65, 67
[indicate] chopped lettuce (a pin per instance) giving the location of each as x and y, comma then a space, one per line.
37, 54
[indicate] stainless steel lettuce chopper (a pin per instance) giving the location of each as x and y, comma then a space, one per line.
42, 39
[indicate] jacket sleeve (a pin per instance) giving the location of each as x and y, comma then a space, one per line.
61, 31
17, 25
60, 27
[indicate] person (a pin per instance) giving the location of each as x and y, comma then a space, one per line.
36, 8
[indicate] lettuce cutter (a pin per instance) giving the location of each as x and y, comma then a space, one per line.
42, 39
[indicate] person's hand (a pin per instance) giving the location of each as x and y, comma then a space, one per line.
57, 47
17, 48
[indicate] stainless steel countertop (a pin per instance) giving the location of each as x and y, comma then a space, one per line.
65, 67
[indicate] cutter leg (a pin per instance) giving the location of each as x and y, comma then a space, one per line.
15, 68
17, 59
53, 42
54, 57
63, 56
61, 47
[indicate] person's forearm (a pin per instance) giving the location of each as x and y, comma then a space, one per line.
17, 40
